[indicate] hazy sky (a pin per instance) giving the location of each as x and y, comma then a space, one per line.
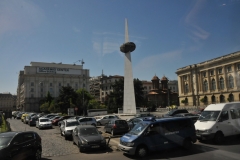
169, 34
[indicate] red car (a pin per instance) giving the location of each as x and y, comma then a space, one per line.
55, 121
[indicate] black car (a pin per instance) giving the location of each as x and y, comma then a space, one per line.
175, 111
20, 145
116, 126
133, 121
32, 121
87, 137
194, 117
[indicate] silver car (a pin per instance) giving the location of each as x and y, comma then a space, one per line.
67, 126
43, 123
105, 119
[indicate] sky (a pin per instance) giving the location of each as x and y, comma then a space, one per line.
169, 34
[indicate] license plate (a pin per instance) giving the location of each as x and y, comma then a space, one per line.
95, 146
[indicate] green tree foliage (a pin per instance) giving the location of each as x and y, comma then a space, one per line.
139, 95
82, 101
49, 99
115, 99
44, 107
66, 99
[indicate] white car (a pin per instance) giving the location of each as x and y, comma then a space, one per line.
67, 126
105, 119
43, 123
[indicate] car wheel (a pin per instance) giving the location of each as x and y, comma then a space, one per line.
141, 151
187, 144
38, 154
219, 137
112, 132
80, 148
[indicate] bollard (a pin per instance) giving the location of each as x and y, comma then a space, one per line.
108, 140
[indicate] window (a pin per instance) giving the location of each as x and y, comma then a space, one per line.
204, 74
32, 83
224, 115
184, 78
213, 84
32, 89
50, 84
238, 66
59, 84
32, 95
234, 113
229, 69
205, 86
186, 88
41, 90
220, 70
102, 93
211, 72
231, 83
221, 83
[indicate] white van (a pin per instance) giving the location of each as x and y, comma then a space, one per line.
218, 121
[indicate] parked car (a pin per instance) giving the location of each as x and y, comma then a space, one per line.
20, 145
105, 119
43, 123
49, 115
175, 111
23, 116
60, 120
194, 117
116, 126
32, 121
165, 133
67, 126
54, 117
56, 121
19, 115
26, 119
133, 121
87, 121
87, 137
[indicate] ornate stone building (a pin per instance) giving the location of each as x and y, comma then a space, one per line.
7, 102
160, 94
40, 78
212, 81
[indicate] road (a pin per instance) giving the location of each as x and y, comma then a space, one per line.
56, 147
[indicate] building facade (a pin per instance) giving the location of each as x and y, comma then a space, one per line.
213, 81
36, 80
101, 86
161, 95
7, 102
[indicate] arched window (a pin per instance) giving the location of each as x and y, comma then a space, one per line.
213, 84
231, 98
213, 99
186, 100
222, 98
205, 85
230, 82
186, 88
221, 83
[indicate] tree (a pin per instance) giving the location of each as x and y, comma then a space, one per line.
49, 99
82, 101
138, 89
66, 99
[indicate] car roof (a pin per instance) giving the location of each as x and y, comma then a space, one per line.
13, 133
85, 126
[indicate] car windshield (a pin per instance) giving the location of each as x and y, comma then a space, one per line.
44, 120
138, 128
74, 123
88, 131
209, 116
4, 141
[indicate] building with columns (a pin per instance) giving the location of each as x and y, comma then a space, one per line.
36, 80
213, 81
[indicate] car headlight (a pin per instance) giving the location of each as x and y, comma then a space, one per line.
129, 144
84, 142
207, 131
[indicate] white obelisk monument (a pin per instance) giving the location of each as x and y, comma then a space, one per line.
129, 104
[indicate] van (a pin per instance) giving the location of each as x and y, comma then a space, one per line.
165, 133
218, 121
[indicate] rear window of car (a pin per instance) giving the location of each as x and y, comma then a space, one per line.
44, 120
120, 122
74, 123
